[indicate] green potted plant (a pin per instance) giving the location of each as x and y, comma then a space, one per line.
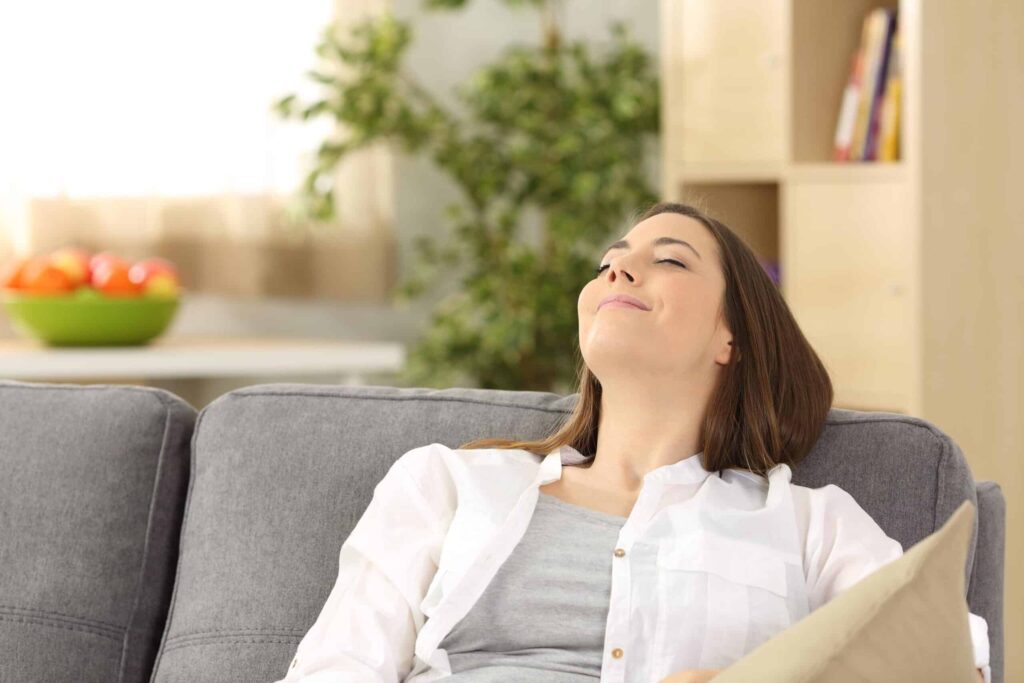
558, 128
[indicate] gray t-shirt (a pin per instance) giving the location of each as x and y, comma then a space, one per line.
542, 618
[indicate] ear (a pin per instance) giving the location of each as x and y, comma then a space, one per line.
725, 356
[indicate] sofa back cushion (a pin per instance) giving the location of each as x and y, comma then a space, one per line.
282, 472
91, 500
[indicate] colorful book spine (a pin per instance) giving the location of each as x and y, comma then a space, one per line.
867, 128
873, 38
889, 128
848, 110
870, 152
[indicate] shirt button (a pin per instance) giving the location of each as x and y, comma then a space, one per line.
617, 653
619, 552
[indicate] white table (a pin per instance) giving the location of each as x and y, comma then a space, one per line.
200, 357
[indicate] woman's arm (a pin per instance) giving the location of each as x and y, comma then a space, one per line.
366, 631
845, 545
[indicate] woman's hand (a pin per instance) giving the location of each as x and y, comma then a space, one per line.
691, 676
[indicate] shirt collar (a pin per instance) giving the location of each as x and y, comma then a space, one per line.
685, 471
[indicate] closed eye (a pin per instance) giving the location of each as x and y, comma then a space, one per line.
600, 269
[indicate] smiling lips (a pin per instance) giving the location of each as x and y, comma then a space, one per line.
623, 301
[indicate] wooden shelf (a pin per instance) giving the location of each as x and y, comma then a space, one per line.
868, 172
773, 173
728, 173
196, 357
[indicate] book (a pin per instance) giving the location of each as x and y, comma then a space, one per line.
873, 36
889, 128
870, 152
848, 110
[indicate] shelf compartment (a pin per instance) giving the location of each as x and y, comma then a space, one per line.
825, 36
750, 209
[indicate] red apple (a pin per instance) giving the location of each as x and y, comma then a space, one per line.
155, 277
42, 277
111, 278
73, 261
103, 257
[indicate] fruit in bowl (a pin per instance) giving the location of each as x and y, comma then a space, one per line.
40, 276
70, 297
74, 262
110, 276
155, 277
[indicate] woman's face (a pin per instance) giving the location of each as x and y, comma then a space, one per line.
682, 334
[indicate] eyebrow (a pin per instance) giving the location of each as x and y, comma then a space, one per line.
624, 244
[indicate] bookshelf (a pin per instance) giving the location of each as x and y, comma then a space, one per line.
906, 276
752, 90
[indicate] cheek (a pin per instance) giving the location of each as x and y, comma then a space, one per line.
686, 314
583, 301
582, 317
704, 316
585, 310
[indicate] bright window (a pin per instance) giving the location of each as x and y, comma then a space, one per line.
139, 98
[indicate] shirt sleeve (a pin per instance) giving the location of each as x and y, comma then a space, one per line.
844, 544
366, 631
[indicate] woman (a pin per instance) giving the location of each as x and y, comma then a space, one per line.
676, 546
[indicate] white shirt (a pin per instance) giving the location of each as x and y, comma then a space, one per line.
707, 566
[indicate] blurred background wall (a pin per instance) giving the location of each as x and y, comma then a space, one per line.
258, 278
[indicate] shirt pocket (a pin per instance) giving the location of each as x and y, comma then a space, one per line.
718, 598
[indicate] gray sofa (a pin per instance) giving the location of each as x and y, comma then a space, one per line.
141, 541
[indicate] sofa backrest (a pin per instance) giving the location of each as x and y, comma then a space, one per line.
985, 592
91, 498
281, 473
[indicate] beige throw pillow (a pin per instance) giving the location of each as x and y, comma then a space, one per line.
907, 621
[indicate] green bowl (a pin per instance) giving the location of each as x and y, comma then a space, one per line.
87, 317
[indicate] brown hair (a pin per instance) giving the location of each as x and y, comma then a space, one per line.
768, 407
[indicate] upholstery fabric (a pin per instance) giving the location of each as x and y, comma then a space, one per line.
91, 502
281, 473
985, 594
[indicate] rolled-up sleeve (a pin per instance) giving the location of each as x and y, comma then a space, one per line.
845, 544
366, 630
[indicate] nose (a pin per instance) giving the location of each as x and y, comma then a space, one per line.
613, 269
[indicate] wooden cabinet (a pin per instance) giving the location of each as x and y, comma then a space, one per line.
850, 284
730, 96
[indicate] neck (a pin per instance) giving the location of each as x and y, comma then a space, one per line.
640, 431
